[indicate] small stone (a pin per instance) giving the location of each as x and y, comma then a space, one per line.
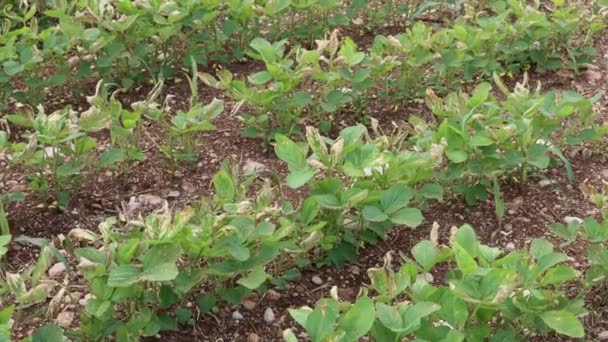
317, 280
273, 295
572, 219
237, 315
253, 337
593, 76
515, 204
57, 270
173, 194
65, 319
188, 187
355, 270
603, 335
510, 247
546, 182
249, 304
269, 315
429, 277
508, 227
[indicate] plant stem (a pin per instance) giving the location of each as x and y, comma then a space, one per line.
4, 228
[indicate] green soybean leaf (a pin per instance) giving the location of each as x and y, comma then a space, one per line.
374, 214
541, 247
549, 260
465, 236
432, 191
166, 271
12, 68
299, 178
425, 254
6, 314
260, 78
466, 263
205, 303
289, 152
596, 232
480, 94
183, 315
254, 279
320, 322
537, 156
48, 333
411, 217
300, 315
91, 254
567, 232
167, 323
420, 310
503, 335
166, 297
481, 140
558, 275
404, 319
350, 53
597, 254
329, 201
454, 309
91, 34
123, 276
112, 156
19, 120
395, 198
224, 186
126, 251
358, 320
456, 156
390, 317
563, 322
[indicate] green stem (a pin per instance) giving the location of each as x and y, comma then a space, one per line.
4, 228
55, 165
